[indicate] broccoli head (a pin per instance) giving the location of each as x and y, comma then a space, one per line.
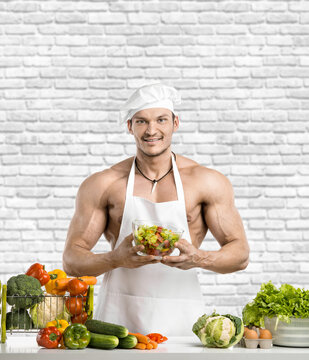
23, 291
18, 319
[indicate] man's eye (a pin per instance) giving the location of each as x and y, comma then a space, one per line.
162, 120
140, 121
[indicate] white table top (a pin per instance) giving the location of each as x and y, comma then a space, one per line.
180, 348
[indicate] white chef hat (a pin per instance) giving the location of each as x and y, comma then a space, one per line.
155, 95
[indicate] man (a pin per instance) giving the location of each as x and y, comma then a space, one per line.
144, 293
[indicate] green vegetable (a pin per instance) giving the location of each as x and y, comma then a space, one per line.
219, 330
51, 308
76, 336
18, 319
101, 327
284, 303
128, 342
23, 291
101, 341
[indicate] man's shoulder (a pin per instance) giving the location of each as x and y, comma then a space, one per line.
108, 176
199, 171
210, 183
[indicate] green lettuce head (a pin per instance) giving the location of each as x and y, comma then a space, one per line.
217, 330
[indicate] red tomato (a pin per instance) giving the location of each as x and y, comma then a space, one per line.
77, 287
81, 318
74, 305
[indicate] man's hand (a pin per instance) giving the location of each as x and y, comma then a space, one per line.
188, 258
125, 255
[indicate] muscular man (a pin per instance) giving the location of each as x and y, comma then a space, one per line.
141, 292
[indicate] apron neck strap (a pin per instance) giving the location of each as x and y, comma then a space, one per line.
179, 187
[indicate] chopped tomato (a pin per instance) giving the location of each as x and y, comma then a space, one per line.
160, 238
166, 244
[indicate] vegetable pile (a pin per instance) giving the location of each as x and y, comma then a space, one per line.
109, 336
156, 239
62, 319
284, 303
217, 330
34, 308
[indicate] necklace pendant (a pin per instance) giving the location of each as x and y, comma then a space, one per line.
154, 185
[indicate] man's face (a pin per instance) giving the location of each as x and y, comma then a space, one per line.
153, 129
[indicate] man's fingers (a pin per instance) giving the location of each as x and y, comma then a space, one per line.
181, 245
145, 260
173, 259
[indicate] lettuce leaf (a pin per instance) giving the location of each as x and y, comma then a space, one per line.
284, 303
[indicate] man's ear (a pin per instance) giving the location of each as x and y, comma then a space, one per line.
129, 124
176, 123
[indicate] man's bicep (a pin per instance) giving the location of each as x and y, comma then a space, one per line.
89, 220
224, 222
220, 213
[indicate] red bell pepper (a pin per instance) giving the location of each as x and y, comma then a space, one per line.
158, 338
49, 337
38, 271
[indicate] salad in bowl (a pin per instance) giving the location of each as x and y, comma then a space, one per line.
158, 239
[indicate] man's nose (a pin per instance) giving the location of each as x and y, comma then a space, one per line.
151, 128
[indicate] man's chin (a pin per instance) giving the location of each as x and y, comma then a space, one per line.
154, 152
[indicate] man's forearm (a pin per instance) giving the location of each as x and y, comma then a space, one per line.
232, 257
82, 262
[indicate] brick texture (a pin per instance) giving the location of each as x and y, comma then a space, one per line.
242, 69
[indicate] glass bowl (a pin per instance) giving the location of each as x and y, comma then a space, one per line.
158, 239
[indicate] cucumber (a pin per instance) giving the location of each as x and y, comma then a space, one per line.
100, 341
128, 342
101, 327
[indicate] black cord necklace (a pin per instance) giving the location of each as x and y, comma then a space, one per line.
154, 181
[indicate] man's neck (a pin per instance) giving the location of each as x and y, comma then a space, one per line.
154, 166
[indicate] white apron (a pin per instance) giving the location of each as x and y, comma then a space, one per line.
155, 297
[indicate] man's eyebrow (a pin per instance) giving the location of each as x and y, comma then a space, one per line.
142, 118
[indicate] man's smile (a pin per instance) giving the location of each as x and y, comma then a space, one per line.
152, 140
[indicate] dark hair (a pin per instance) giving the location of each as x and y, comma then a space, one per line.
173, 117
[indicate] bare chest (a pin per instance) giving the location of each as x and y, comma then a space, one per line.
165, 191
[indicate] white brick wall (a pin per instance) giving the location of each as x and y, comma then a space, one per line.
242, 68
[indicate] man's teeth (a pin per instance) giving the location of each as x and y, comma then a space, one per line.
153, 140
